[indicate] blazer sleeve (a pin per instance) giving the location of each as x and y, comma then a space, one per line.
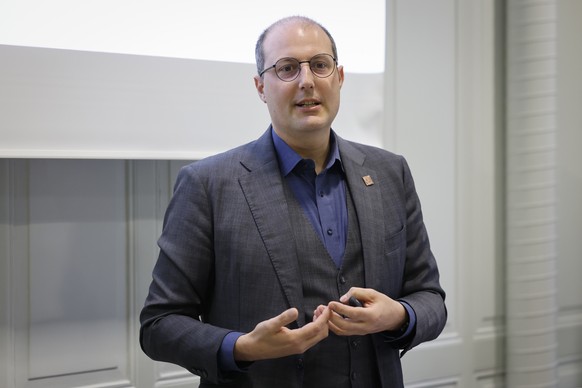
171, 326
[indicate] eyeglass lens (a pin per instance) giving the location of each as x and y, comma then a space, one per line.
321, 65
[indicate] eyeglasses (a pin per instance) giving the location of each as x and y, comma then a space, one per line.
288, 69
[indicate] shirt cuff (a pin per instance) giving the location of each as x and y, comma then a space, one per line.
406, 329
226, 361
411, 319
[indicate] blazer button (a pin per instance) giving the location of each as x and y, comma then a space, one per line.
300, 363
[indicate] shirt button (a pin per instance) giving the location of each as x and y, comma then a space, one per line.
354, 375
321, 194
329, 232
354, 344
342, 280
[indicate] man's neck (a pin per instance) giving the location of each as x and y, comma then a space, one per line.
314, 146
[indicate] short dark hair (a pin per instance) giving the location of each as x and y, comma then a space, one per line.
259, 52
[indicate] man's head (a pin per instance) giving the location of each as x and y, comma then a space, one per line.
259, 52
308, 103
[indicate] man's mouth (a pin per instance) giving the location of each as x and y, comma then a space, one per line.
308, 104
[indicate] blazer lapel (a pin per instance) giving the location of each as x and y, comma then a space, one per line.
263, 190
368, 203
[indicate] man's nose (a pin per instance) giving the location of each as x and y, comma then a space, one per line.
305, 76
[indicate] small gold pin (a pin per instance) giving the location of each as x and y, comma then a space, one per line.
368, 180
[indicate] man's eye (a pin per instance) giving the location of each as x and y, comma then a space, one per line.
288, 68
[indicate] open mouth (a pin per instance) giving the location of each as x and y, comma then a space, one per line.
308, 104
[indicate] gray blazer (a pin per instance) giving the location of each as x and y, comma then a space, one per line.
228, 261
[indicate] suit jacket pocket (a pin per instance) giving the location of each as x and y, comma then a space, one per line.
395, 242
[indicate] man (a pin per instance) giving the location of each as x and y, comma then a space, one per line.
300, 259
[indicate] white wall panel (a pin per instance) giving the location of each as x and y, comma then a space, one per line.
6, 340
425, 123
68, 270
423, 128
569, 174
77, 266
446, 115
150, 185
569, 191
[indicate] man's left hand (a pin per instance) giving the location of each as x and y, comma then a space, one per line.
379, 313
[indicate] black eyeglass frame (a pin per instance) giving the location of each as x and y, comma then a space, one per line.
299, 63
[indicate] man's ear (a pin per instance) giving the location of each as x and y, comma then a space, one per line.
340, 72
260, 85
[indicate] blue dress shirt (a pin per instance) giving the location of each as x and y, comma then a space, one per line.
322, 196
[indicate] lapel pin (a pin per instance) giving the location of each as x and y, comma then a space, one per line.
368, 180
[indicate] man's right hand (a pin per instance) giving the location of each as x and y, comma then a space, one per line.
272, 339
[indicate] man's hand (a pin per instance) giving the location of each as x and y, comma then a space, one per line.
272, 339
379, 313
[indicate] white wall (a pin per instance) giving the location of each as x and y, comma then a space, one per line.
116, 106
70, 226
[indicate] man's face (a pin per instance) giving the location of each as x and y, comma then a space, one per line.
307, 104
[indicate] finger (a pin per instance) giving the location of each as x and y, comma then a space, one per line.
336, 329
315, 331
321, 316
357, 292
286, 317
344, 310
318, 311
340, 325
346, 326
325, 313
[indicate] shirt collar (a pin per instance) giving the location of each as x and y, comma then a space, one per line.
288, 158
